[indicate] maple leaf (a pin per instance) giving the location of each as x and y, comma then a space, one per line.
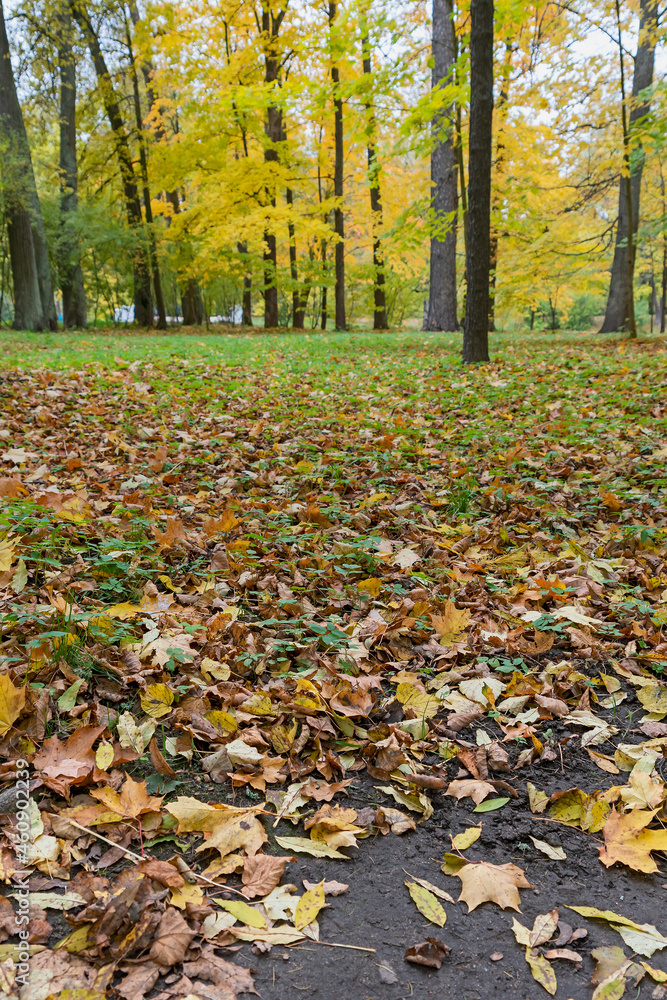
12, 700
450, 625
626, 840
484, 882
131, 802
229, 827
470, 788
173, 533
61, 765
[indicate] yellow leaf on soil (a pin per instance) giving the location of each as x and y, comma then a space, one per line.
309, 906
427, 904
628, 841
422, 704
542, 970
466, 839
654, 699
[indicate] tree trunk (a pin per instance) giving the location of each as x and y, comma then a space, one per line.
143, 164
143, 306
339, 222
476, 328
273, 127
71, 276
379, 297
34, 306
297, 313
442, 314
192, 304
499, 163
621, 299
246, 319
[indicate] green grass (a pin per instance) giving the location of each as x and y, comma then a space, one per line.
294, 351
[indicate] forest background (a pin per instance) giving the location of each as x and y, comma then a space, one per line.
233, 160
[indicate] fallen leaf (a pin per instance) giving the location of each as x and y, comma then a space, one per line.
430, 953
484, 882
261, 874
542, 970
247, 914
555, 853
451, 624
157, 700
462, 841
626, 840
12, 700
172, 938
309, 906
230, 828
131, 802
427, 904
332, 888
316, 848
470, 788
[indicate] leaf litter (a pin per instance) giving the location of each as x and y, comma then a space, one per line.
270, 592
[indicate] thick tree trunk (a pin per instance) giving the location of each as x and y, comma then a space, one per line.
476, 328
442, 314
247, 288
71, 275
619, 305
339, 220
143, 306
143, 164
379, 297
34, 306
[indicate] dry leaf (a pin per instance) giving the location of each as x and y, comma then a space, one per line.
628, 841
230, 828
484, 882
309, 906
261, 874
462, 841
555, 853
172, 938
430, 953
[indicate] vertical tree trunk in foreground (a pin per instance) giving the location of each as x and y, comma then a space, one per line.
34, 306
442, 314
499, 166
339, 223
71, 276
620, 301
379, 297
476, 327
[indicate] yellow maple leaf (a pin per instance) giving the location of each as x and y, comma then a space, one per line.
12, 700
627, 840
450, 625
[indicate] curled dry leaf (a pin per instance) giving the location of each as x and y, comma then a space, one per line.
430, 953
332, 888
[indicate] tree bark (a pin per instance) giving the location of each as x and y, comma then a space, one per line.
192, 304
476, 327
339, 221
442, 314
379, 297
499, 163
273, 127
619, 305
143, 165
246, 319
143, 306
34, 305
71, 275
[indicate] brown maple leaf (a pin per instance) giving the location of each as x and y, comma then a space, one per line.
61, 765
627, 840
483, 882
